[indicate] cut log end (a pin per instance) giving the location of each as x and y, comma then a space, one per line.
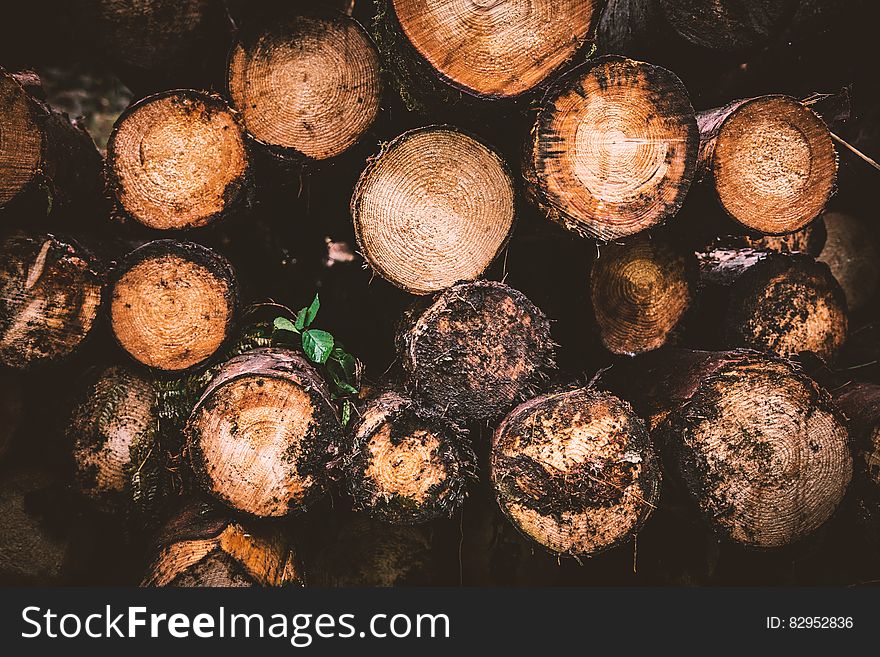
21, 139
177, 160
221, 553
173, 304
640, 291
111, 430
861, 404
774, 164
614, 149
50, 293
496, 49
575, 471
477, 350
405, 465
306, 84
761, 449
262, 433
435, 207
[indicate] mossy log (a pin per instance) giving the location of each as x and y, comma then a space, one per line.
173, 304
759, 446
117, 457
50, 295
47, 161
178, 160
306, 82
201, 547
853, 256
489, 51
575, 471
260, 437
407, 465
434, 207
613, 149
770, 160
641, 291
774, 302
477, 350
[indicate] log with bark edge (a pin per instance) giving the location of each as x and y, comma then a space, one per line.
613, 149
356, 550
406, 465
50, 294
157, 44
307, 83
494, 50
852, 255
640, 291
201, 547
770, 160
478, 349
177, 160
261, 435
436, 206
575, 471
45, 159
759, 445
173, 304
113, 434
780, 303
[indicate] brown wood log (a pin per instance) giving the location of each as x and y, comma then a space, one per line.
852, 254
613, 150
771, 162
407, 465
434, 207
575, 471
640, 291
201, 547
487, 50
810, 239
261, 435
760, 447
478, 349
113, 434
173, 304
306, 83
45, 159
50, 295
178, 160
774, 302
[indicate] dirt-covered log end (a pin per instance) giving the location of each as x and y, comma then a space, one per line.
407, 465
177, 160
201, 547
477, 350
436, 206
760, 447
614, 148
575, 471
260, 437
50, 295
173, 304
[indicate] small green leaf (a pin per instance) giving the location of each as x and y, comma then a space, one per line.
346, 412
284, 324
306, 316
317, 345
